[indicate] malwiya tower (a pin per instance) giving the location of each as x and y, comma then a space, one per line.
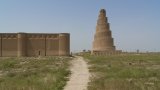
103, 42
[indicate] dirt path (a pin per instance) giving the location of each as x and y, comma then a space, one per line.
80, 75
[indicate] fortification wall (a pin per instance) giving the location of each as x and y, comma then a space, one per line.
52, 45
34, 44
64, 45
9, 45
0, 45
21, 47
36, 47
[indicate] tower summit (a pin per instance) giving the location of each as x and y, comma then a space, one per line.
103, 42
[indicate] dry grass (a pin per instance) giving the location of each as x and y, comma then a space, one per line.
47, 73
124, 72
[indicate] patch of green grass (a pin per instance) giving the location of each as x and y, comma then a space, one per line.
124, 72
49, 73
8, 63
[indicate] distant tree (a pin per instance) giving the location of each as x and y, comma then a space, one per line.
84, 50
137, 50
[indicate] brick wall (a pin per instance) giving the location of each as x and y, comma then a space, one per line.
34, 44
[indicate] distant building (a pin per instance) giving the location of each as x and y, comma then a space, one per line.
103, 42
34, 44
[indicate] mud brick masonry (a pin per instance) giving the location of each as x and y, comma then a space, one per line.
103, 42
34, 44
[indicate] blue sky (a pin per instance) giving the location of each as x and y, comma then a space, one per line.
135, 24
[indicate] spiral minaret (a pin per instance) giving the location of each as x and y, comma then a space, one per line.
103, 41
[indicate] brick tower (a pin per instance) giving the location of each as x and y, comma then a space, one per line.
103, 42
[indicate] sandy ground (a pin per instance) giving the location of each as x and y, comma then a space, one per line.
79, 75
